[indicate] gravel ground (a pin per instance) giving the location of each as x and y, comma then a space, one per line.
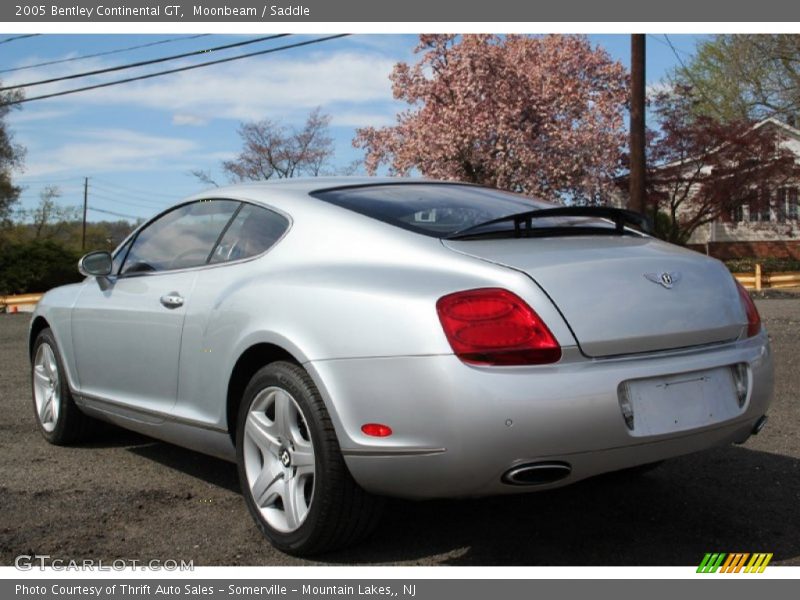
127, 496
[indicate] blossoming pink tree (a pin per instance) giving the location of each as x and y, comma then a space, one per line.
540, 115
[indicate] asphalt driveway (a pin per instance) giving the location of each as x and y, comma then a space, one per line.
127, 496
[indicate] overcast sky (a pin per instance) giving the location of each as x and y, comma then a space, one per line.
138, 141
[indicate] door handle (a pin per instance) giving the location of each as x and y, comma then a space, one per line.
172, 300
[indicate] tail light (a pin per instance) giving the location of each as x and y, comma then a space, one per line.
495, 327
753, 318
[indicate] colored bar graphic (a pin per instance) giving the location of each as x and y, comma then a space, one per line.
734, 562
758, 562
711, 562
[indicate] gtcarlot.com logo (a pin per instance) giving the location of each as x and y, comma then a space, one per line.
736, 562
28, 562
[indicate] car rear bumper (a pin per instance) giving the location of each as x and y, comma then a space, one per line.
457, 429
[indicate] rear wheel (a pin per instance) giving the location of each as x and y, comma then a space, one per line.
293, 477
60, 421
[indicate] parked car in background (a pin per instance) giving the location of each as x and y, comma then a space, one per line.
345, 339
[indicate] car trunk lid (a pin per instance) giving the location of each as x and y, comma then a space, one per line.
624, 294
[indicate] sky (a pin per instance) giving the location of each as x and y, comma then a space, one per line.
137, 142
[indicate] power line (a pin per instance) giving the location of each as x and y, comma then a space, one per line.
674, 51
142, 63
117, 201
33, 197
127, 195
665, 44
48, 181
65, 196
109, 183
106, 187
111, 212
18, 37
125, 201
124, 189
106, 53
178, 70
115, 194
688, 74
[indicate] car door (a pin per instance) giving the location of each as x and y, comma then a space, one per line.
127, 328
215, 319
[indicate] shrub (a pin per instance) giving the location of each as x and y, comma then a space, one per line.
36, 266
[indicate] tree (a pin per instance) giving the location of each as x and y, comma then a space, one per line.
740, 77
48, 218
700, 169
11, 156
540, 115
272, 150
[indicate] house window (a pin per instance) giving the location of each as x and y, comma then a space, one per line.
780, 204
752, 210
759, 209
791, 204
766, 214
737, 214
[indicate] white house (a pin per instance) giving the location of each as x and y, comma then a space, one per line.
769, 228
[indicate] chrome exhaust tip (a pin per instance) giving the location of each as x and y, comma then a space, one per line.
541, 473
760, 424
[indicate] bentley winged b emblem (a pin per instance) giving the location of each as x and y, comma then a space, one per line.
666, 279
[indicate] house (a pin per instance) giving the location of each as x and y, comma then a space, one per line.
768, 227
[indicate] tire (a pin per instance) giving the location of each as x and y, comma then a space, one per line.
60, 420
291, 470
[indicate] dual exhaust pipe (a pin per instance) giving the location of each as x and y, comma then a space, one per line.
539, 473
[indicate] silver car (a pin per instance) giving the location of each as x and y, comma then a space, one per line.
344, 340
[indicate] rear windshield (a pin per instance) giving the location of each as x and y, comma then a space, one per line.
434, 209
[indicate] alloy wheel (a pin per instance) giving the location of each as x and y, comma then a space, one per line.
46, 387
279, 459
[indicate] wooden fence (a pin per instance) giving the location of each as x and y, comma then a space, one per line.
757, 280
22, 303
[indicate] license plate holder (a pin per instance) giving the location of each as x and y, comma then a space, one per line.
681, 402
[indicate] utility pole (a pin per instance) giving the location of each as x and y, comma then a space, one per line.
85, 206
637, 130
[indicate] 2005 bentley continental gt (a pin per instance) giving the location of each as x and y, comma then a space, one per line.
343, 340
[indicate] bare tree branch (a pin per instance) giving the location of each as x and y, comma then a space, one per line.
271, 150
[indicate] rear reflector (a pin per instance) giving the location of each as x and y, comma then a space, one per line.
492, 326
376, 429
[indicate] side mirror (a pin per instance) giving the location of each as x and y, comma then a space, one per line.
96, 264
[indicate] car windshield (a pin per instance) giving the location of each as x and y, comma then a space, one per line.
434, 209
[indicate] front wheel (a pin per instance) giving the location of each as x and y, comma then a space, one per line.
293, 477
60, 421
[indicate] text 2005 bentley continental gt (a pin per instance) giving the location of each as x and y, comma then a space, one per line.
347, 339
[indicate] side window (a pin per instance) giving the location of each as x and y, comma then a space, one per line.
119, 257
182, 238
253, 231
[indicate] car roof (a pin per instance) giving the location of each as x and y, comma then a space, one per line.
292, 195
311, 184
